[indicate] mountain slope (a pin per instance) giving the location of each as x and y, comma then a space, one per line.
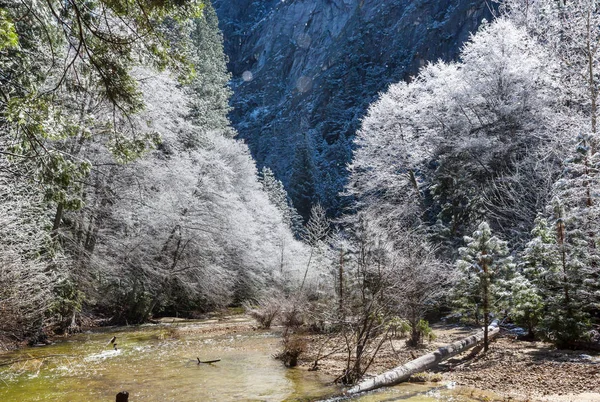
304, 72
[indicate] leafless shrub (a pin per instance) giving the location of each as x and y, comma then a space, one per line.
293, 347
265, 310
292, 314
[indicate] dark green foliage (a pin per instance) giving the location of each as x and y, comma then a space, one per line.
68, 303
302, 179
484, 269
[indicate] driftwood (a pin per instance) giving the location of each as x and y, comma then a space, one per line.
430, 360
207, 361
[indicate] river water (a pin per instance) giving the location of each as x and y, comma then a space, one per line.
158, 363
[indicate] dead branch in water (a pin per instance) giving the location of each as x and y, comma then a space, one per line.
207, 361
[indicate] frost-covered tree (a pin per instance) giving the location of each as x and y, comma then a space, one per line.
210, 88
562, 262
72, 47
155, 208
577, 191
317, 234
571, 31
535, 289
31, 269
483, 270
526, 305
279, 197
390, 273
465, 141
554, 270
420, 279
191, 228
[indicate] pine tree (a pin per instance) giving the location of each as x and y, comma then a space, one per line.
573, 290
211, 93
279, 197
532, 287
302, 182
526, 304
483, 270
579, 191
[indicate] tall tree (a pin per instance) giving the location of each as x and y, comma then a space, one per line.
210, 87
483, 271
571, 31
279, 197
466, 138
302, 181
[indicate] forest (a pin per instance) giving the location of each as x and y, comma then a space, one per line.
126, 194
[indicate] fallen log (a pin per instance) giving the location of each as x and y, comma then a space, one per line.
430, 360
207, 361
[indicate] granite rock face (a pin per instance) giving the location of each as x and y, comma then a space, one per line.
305, 71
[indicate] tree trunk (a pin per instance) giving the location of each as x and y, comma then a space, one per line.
430, 360
486, 301
486, 312
57, 218
341, 274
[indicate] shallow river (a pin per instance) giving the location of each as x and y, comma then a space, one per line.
158, 363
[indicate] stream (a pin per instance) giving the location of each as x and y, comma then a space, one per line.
158, 363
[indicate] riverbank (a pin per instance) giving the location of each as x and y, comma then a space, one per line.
512, 369
532, 371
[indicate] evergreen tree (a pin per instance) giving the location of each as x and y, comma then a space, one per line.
278, 197
552, 272
211, 93
568, 274
483, 271
532, 287
526, 305
302, 181
566, 321
579, 191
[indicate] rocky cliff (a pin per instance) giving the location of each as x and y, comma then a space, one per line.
304, 72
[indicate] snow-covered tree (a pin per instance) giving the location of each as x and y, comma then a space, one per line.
279, 197
191, 228
420, 280
135, 173
95, 55
31, 268
579, 191
562, 262
571, 31
465, 141
483, 272
210, 91
526, 305
535, 288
